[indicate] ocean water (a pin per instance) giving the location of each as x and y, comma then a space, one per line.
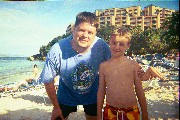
16, 69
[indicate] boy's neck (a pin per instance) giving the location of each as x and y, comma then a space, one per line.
118, 57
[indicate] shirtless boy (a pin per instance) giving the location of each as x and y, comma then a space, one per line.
120, 82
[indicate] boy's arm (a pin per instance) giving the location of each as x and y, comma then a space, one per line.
101, 93
141, 96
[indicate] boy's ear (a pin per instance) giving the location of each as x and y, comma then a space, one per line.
109, 42
128, 45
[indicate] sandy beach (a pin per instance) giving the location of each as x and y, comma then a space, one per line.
163, 103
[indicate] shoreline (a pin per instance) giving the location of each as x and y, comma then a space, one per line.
16, 78
17, 69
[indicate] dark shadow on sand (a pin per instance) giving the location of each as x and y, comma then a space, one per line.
36, 99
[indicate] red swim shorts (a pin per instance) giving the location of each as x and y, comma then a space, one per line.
112, 113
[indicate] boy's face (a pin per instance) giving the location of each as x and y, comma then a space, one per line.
84, 34
118, 45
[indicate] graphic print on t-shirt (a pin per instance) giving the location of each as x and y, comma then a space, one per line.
82, 78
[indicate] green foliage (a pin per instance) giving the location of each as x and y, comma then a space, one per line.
137, 42
45, 49
171, 26
42, 50
153, 41
105, 32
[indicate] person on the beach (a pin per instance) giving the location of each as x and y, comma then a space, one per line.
35, 71
35, 74
76, 59
118, 79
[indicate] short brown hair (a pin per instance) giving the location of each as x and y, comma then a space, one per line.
122, 32
87, 17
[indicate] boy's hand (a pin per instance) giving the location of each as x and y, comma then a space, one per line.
140, 72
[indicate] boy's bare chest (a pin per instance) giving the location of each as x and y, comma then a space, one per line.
119, 74
119, 68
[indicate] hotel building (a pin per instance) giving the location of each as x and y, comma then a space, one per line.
151, 17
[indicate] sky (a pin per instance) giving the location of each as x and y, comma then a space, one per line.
26, 26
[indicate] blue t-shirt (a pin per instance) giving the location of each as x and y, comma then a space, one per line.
78, 72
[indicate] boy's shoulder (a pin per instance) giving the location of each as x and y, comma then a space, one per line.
105, 63
131, 63
127, 61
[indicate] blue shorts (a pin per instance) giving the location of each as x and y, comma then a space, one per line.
90, 109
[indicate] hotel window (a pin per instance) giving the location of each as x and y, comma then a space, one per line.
135, 10
154, 22
139, 19
117, 19
108, 22
124, 22
102, 19
118, 15
124, 12
102, 22
111, 10
108, 18
106, 13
